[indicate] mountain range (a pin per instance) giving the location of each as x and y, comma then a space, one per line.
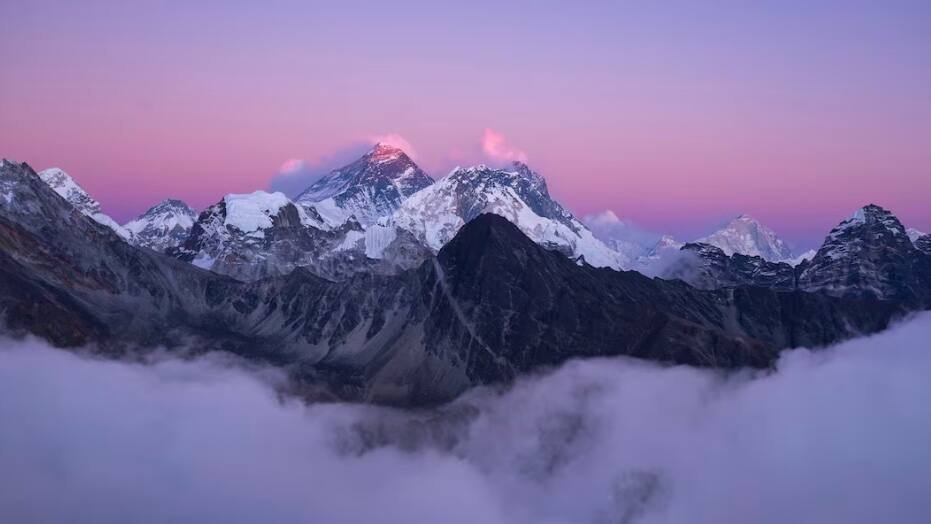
379, 284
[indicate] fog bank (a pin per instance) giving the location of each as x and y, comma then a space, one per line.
840, 435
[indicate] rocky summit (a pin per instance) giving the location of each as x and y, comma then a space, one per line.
164, 226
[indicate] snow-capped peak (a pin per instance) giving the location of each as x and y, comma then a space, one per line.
870, 224
860, 255
165, 225
747, 236
385, 153
67, 188
436, 213
370, 188
869, 215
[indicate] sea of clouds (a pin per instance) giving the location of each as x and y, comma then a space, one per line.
838, 435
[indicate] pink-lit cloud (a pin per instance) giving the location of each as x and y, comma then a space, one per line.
496, 146
293, 165
394, 140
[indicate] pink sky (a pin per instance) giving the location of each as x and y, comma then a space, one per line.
673, 116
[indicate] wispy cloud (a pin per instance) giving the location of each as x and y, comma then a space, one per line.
496, 146
297, 174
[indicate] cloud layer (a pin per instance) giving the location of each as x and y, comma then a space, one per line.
833, 436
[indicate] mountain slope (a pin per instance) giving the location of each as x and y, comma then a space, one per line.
747, 236
369, 188
165, 225
492, 305
257, 235
435, 214
870, 254
65, 186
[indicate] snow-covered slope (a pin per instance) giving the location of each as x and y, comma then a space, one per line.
65, 186
436, 213
164, 226
746, 236
914, 234
256, 235
370, 188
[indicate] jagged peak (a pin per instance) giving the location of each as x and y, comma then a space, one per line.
868, 215
381, 148
516, 170
170, 204
9, 167
487, 233
745, 235
383, 153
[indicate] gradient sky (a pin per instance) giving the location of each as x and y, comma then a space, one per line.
674, 115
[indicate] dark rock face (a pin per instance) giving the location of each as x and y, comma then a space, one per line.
923, 244
714, 269
491, 305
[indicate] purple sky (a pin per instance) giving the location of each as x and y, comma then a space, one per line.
676, 116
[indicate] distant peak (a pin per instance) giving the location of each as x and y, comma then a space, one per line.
745, 235
867, 213
170, 204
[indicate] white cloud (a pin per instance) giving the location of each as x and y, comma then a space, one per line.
833, 436
496, 146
